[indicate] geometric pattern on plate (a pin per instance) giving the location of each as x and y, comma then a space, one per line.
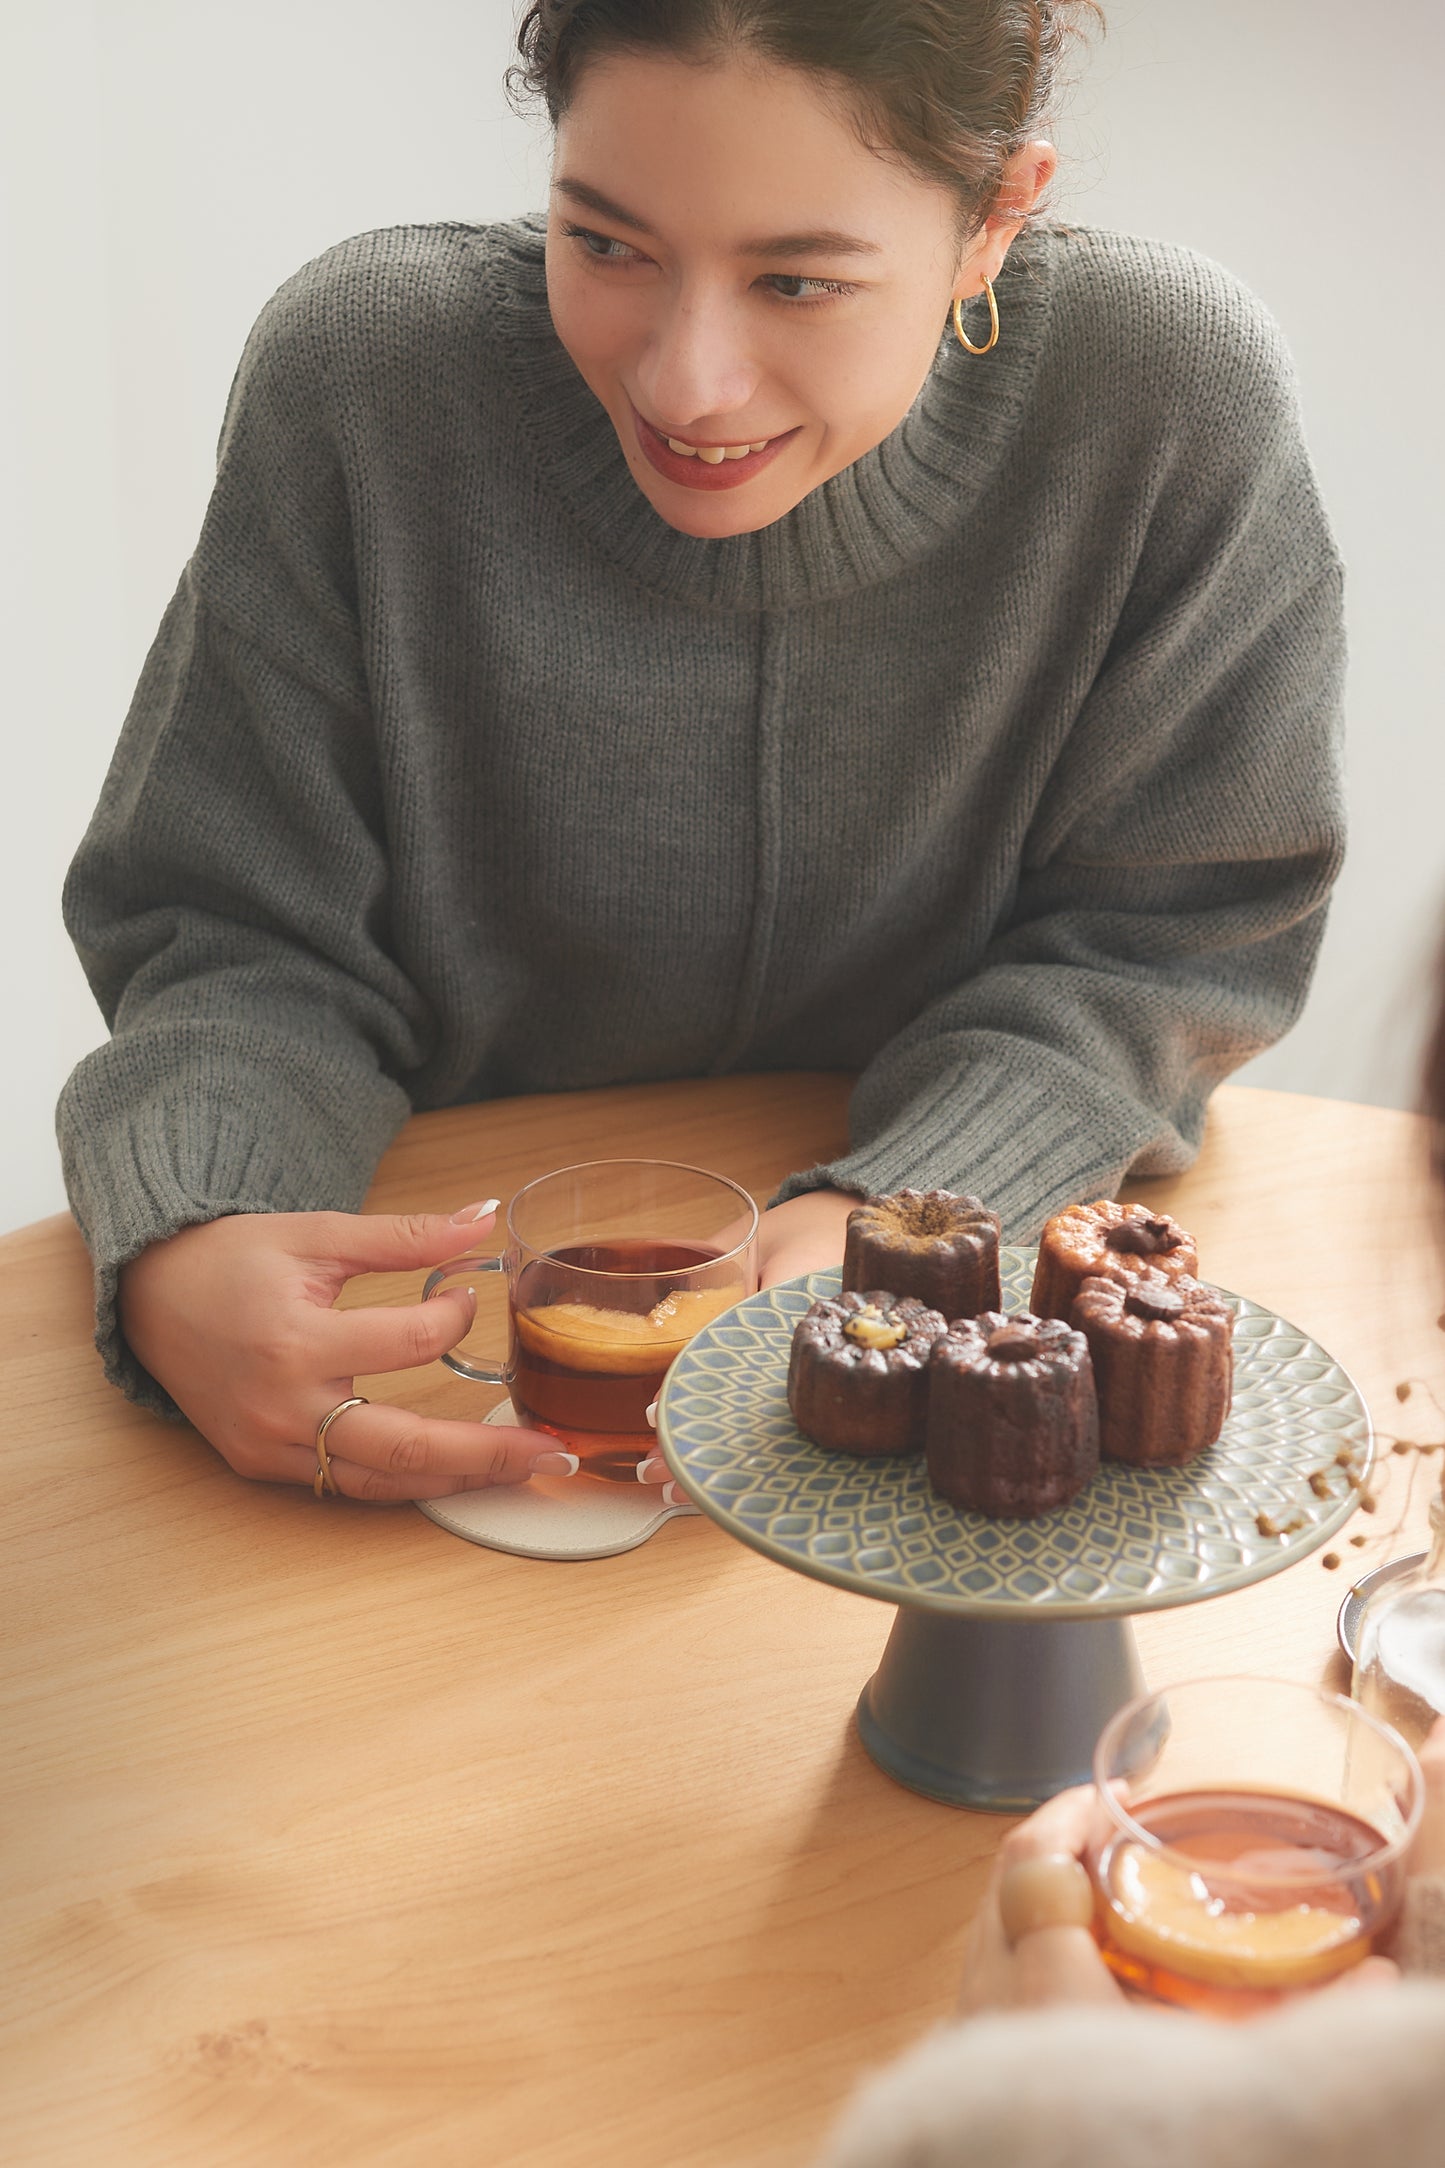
1138, 1539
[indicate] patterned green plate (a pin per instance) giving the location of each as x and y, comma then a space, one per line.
1135, 1540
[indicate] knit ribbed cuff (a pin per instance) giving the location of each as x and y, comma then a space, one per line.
1024, 1128
140, 1170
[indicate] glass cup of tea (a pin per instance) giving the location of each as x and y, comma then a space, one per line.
611, 1267
1251, 1841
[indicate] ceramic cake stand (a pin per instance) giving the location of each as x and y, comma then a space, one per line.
1012, 1646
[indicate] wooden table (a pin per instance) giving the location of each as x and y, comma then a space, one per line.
333, 1839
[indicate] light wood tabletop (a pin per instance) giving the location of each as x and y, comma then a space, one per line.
331, 1838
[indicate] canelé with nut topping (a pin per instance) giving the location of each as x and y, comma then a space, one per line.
858, 1374
1013, 1429
929, 1243
1105, 1241
1163, 1358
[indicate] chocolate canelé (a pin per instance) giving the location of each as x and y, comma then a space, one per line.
858, 1374
1163, 1359
1013, 1427
929, 1243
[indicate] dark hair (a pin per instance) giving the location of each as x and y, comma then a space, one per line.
951, 87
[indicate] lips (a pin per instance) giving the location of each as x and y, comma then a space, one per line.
712, 467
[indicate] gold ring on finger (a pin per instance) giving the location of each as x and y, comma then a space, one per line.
323, 1483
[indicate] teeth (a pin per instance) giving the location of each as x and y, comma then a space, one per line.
714, 454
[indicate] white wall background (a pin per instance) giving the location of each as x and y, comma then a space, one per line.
164, 164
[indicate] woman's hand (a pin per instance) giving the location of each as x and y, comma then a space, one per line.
235, 1319
804, 1235
1063, 1964
1048, 1964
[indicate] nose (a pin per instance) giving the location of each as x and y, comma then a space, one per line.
697, 365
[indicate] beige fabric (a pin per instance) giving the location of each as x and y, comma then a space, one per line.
1328, 2082
1421, 1945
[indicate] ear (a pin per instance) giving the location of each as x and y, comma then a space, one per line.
1026, 177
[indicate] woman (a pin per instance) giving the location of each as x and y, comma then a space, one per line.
646, 647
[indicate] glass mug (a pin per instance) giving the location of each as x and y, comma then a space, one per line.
1251, 1841
611, 1267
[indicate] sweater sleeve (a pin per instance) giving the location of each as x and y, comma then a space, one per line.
1327, 2082
229, 901
1171, 895
1319, 2084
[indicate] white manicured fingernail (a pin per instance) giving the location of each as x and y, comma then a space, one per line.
674, 1495
555, 1464
650, 1411
651, 1470
470, 1213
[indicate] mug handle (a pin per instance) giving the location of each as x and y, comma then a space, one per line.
479, 1373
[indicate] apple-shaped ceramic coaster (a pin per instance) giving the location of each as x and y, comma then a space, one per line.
574, 1516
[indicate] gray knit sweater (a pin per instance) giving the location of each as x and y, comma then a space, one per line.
1002, 770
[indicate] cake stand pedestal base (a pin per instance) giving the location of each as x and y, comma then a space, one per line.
995, 1713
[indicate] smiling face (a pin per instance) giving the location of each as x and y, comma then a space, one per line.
754, 295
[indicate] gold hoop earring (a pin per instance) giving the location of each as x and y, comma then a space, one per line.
963, 339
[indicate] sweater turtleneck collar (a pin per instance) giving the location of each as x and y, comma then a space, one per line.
867, 524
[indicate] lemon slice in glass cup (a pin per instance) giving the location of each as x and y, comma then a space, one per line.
621, 1343
610, 1269
1252, 1840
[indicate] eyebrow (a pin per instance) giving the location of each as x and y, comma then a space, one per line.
822, 242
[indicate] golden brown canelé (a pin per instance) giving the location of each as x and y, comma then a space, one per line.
858, 1374
1163, 1357
1013, 1429
929, 1243
1105, 1241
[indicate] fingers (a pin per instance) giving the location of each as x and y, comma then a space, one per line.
1064, 1823
1061, 1964
357, 1342
654, 1469
379, 1452
656, 1473
991, 1975
1373, 1972
399, 1242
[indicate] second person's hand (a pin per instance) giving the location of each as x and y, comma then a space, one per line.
1005, 1969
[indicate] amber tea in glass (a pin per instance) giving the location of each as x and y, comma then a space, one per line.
1252, 1841
611, 1268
